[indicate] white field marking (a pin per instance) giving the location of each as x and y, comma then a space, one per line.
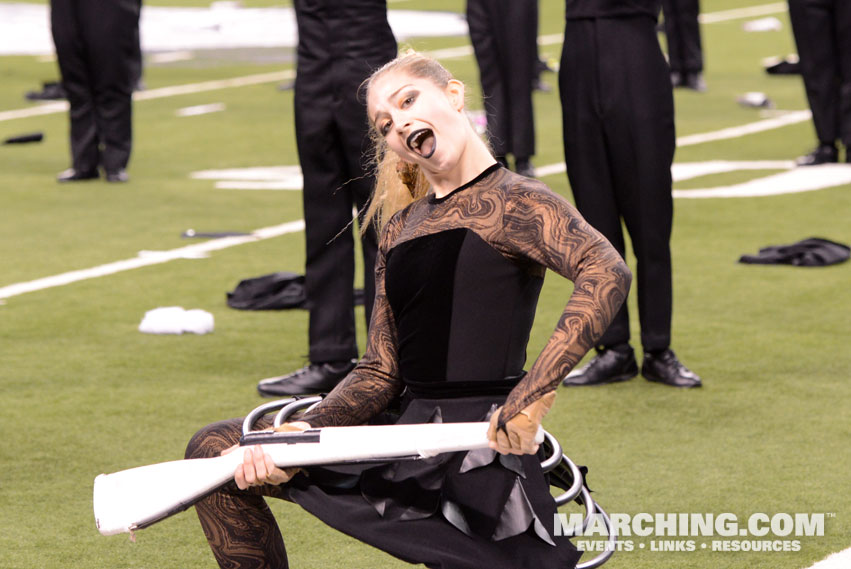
160, 93
741, 13
710, 18
550, 39
197, 250
789, 118
191, 88
687, 170
838, 560
451, 52
200, 110
294, 184
219, 26
259, 178
550, 169
769, 24
262, 174
42, 109
796, 180
170, 56
793, 117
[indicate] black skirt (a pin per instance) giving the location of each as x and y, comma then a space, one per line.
455, 511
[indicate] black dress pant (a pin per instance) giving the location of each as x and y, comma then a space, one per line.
331, 135
619, 141
340, 43
95, 43
822, 30
682, 32
504, 34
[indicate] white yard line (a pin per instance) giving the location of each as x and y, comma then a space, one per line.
151, 258
792, 181
42, 109
838, 560
793, 117
160, 93
787, 119
741, 13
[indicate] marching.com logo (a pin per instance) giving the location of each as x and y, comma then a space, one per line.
767, 528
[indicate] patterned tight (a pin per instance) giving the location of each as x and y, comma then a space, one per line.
238, 524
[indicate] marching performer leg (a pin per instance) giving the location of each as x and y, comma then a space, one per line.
238, 524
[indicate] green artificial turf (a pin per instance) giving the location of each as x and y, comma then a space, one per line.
84, 392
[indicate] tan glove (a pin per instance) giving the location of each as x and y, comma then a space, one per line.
408, 173
520, 431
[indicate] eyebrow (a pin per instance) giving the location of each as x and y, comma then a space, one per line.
392, 96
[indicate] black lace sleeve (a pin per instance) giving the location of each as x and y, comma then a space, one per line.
375, 381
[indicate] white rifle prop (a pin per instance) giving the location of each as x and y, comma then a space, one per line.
137, 498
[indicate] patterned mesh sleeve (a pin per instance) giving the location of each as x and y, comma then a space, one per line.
542, 226
375, 381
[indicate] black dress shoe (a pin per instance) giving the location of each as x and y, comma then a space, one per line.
695, 82
117, 176
608, 366
666, 368
51, 91
823, 154
312, 378
523, 166
72, 175
676, 79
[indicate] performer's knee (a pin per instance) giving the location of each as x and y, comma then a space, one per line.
213, 439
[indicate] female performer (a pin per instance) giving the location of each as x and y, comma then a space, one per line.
463, 250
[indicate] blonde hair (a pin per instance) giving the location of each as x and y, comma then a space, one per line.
398, 183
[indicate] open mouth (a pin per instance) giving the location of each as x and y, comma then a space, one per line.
422, 142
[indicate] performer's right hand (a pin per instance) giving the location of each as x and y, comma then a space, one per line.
257, 467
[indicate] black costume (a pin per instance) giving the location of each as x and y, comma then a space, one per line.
504, 36
340, 44
457, 282
96, 44
822, 30
682, 31
619, 141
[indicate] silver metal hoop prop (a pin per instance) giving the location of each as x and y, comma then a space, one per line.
576, 493
581, 495
285, 408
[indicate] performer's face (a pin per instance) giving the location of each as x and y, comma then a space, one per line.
422, 122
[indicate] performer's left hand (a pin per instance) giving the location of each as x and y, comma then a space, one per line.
257, 466
520, 431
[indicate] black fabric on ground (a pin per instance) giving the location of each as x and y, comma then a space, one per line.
276, 291
812, 252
